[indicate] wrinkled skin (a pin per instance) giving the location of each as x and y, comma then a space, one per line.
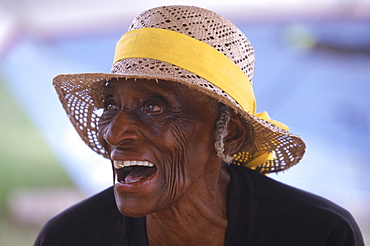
171, 126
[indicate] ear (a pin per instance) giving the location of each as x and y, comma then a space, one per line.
237, 134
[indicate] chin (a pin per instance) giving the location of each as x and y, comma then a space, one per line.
133, 207
132, 214
131, 211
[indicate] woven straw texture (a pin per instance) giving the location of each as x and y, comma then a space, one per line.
80, 94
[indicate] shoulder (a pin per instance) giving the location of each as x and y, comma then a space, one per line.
83, 221
93, 208
267, 189
279, 207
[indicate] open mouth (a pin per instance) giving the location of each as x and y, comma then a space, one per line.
128, 172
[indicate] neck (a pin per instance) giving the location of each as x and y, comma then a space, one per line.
198, 218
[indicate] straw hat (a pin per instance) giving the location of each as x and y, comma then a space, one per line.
192, 46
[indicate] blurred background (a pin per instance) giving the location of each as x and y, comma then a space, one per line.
312, 73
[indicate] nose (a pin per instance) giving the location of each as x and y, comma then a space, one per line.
123, 130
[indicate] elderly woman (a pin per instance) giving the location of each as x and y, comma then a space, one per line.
187, 147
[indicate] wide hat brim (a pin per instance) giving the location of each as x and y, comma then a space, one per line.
271, 149
80, 95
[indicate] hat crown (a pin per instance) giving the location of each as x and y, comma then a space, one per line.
203, 25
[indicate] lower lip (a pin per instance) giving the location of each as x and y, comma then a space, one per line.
135, 187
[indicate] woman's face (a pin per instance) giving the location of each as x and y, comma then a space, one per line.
160, 138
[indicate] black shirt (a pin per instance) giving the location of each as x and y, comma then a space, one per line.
261, 212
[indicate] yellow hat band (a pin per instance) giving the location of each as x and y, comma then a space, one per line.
190, 54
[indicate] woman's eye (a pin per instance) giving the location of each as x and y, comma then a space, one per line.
110, 105
153, 108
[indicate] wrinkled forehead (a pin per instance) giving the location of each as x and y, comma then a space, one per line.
172, 91
146, 85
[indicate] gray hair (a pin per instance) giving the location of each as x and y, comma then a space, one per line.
221, 133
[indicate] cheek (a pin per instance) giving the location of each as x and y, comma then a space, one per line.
173, 161
186, 160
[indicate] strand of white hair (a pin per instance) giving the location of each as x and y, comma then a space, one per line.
221, 133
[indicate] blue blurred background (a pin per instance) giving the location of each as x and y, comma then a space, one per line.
312, 73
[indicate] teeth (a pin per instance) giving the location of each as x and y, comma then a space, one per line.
121, 164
